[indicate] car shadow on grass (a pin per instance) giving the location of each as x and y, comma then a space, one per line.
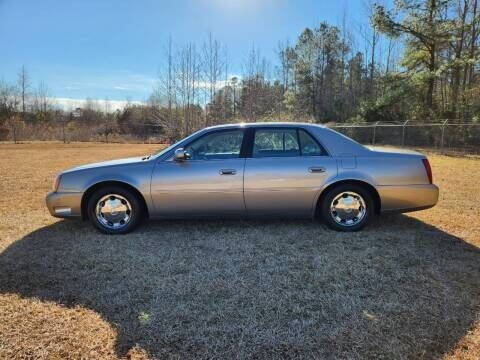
222, 289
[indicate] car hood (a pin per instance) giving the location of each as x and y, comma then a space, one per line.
126, 161
394, 151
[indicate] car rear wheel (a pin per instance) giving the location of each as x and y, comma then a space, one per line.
114, 210
347, 207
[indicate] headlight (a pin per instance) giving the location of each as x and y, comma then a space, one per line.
56, 183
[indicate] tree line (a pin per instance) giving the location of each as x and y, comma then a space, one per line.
418, 60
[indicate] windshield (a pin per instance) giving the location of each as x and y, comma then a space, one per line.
168, 148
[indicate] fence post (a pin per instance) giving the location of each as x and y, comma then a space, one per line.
403, 132
374, 132
443, 135
14, 130
63, 130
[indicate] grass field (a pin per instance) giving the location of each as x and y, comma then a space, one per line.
408, 286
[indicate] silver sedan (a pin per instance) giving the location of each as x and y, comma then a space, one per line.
248, 170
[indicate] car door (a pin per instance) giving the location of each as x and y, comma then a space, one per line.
208, 183
284, 172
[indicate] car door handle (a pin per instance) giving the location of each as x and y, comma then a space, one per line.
316, 169
228, 171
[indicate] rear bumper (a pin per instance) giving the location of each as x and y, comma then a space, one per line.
63, 205
404, 198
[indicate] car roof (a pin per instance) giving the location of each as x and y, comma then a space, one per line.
262, 124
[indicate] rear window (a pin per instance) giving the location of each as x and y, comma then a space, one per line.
285, 142
309, 146
276, 143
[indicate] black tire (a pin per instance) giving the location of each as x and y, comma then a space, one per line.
328, 198
136, 213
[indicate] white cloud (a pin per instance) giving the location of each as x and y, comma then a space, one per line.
126, 83
71, 104
107, 84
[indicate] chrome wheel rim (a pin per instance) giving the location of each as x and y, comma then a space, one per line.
348, 208
113, 211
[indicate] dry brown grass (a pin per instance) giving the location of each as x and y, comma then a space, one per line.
406, 287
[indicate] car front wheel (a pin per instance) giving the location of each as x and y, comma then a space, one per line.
114, 210
347, 207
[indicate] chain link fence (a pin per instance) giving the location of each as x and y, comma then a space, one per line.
79, 131
444, 136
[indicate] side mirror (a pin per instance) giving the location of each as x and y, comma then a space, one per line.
181, 154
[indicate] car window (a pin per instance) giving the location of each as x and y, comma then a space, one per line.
217, 145
309, 146
275, 143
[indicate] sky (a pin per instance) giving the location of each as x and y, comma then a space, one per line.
113, 48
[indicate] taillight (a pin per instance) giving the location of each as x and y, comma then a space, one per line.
428, 169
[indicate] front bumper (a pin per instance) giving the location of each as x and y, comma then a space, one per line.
404, 198
64, 205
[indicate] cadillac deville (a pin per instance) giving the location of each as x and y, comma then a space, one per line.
248, 170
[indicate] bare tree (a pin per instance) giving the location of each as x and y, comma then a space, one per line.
254, 70
187, 85
23, 83
212, 65
107, 114
285, 63
391, 59
373, 42
165, 93
225, 86
344, 49
234, 81
169, 84
42, 101
9, 103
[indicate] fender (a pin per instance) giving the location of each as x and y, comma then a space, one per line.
345, 175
